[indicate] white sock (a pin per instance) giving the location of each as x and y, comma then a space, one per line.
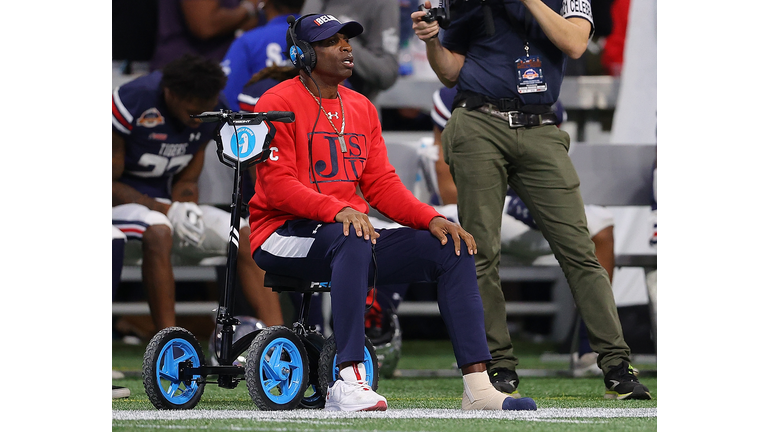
480, 394
354, 372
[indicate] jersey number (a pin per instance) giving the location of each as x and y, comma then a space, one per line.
161, 164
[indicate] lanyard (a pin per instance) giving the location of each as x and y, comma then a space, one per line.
527, 24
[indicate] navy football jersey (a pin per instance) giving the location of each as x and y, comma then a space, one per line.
251, 93
156, 144
518, 210
441, 106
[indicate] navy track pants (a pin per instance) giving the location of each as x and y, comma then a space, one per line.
320, 252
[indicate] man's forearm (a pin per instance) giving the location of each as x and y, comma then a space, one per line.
185, 191
445, 63
569, 37
124, 194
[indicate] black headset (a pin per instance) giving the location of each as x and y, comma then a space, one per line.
300, 52
303, 56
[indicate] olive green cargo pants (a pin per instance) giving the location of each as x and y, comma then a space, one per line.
485, 155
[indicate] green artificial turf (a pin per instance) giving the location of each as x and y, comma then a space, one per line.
411, 399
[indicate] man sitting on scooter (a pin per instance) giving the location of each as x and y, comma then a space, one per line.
306, 205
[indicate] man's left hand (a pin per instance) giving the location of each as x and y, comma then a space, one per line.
441, 228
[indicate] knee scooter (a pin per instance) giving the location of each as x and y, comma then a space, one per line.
285, 367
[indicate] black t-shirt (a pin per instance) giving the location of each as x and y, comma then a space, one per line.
489, 67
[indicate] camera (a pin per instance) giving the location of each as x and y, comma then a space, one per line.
441, 14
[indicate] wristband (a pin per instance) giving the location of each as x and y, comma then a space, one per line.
250, 8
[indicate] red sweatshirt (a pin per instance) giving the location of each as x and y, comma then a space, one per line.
286, 185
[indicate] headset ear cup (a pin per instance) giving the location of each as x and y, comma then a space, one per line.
311, 56
301, 54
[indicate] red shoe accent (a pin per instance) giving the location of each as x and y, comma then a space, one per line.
380, 406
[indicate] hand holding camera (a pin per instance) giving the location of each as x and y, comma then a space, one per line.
439, 14
424, 25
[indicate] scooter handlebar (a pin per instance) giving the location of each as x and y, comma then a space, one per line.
279, 116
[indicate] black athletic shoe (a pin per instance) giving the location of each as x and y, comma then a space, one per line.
621, 383
505, 381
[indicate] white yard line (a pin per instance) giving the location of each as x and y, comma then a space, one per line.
539, 415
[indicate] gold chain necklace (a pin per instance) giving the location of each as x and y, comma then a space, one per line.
339, 133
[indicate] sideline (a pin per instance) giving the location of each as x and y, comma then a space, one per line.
541, 414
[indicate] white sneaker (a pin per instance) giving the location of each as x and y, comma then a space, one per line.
353, 396
120, 392
586, 365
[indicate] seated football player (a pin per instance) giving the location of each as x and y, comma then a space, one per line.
157, 157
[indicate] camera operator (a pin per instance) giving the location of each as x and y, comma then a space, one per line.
507, 58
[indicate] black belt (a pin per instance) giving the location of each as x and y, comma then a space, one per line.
471, 101
517, 119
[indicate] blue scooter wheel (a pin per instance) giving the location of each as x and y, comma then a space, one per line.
168, 353
276, 369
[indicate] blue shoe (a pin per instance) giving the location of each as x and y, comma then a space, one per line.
522, 404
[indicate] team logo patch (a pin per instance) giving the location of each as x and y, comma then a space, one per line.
324, 19
150, 118
158, 136
530, 74
581, 8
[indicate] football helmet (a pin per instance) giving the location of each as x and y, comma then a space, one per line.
383, 329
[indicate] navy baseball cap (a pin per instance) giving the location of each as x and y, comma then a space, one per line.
316, 27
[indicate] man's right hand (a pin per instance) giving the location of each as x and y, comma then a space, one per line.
424, 30
363, 226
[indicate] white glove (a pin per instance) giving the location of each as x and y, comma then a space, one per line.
187, 221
